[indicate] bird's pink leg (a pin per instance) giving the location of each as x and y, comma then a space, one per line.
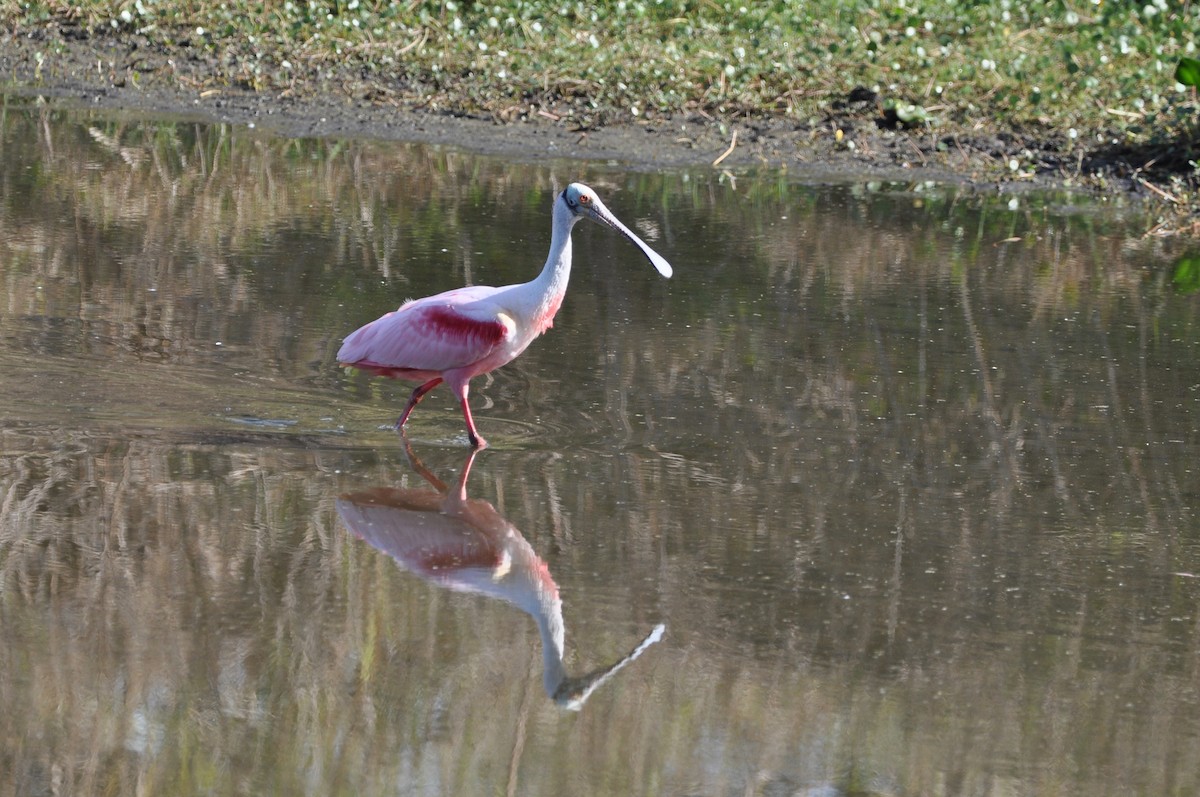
417, 395
461, 390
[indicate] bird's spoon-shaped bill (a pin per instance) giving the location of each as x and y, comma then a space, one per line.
602, 214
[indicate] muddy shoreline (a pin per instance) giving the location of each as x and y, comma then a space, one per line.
125, 72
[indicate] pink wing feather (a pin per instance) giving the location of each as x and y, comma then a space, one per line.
438, 333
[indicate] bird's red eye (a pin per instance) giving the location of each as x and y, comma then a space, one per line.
584, 199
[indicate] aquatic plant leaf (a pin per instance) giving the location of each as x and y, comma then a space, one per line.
1187, 275
1188, 72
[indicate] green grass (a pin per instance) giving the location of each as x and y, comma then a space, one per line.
1089, 72
1053, 61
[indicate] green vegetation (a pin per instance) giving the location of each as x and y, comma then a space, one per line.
1034, 61
1102, 80
1188, 72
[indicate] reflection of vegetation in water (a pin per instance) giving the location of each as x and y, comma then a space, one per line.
212, 629
1186, 277
913, 453
183, 236
174, 243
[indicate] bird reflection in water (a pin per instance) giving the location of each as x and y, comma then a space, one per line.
465, 544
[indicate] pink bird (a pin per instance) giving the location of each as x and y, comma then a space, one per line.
460, 334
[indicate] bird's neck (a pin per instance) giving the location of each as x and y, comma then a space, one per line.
550, 627
551, 285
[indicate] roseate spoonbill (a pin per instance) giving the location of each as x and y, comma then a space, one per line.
465, 545
462, 333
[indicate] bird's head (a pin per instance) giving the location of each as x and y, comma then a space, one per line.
581, 201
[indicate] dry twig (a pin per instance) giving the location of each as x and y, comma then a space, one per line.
728, 152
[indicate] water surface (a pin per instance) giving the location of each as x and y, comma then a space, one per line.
907, 472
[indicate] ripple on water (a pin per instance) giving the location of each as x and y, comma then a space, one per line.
449, 432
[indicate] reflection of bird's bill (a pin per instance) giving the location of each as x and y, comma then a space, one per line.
572, 693
602, 214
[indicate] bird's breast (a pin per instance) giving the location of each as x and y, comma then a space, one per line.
545, 316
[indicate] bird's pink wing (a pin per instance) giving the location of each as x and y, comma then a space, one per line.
439, 333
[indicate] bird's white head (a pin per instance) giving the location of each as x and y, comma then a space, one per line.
582, 201
578, 198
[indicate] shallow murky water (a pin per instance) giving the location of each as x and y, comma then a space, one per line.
908, 474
